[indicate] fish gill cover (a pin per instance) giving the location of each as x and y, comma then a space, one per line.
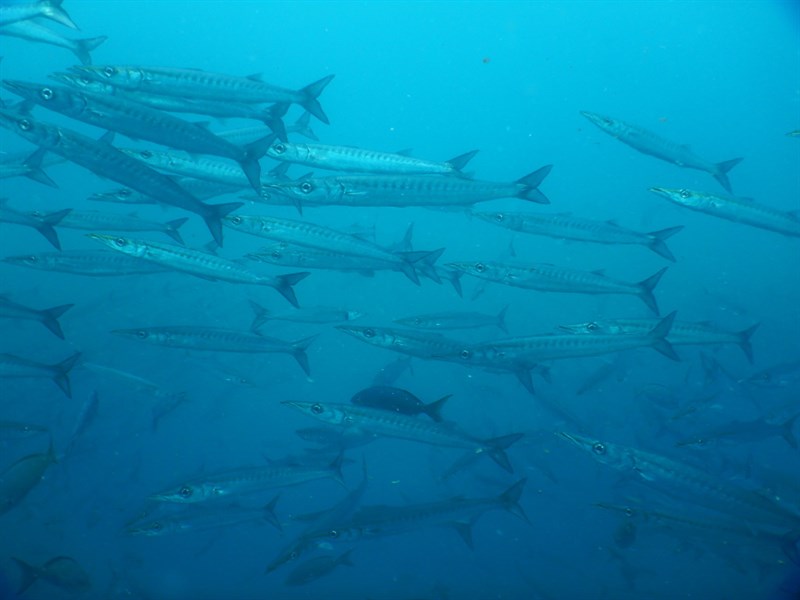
399, 300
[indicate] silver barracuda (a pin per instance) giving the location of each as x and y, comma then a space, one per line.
22, 476
41, 223
371, 522
738, 210
14, 367
400, 401
396, 425
92, 220
30, 166
206, 85
401, 190
270, 116
359, 160
317, 567
551, 278
63, 572
540, 348
202, 190
455, 320
15, 430
585, 230
104, 160
236, 482
94, 263
648, 142
682, 333
311, 314
141, 122
245, 135
12, 12
215, 339
203, 519
36, 32
745, 432
686, 482
304, 233
200, 264
47, 317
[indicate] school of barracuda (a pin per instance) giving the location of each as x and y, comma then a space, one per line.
230, 180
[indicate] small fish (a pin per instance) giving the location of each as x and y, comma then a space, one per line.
42, 224
47, 316
318, 567
456, 320
92, 263
13, 12
62, 572
16, 367
14, 430
400, 401
311, 314
22, 476
36, 32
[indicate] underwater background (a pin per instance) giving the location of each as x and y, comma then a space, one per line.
440, 78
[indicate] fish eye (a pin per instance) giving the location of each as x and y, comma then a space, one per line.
465, 354
306, 187
599, 448
120, 242
47, 94
333, 533
629, 512
109, 71
592, 326
85, 80
124, 193
146, 154
684, 193
32, 259
185, 492
25, 124
141, 334
480, 267
279, 148
156, 526
317, 409
276, 254
368, 333
236, 220
292, 555
499, 217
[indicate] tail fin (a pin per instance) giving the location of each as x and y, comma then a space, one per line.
658, 336
335, 467
302, 127
171, 229
454, 277
744, 341
787, 431
789, 546
423, 260
406, 244
523, 373
657, 239
61, 372
530, 184
311, 93
249, 162
721, 172
35, 171
434, 409
510, 500
269, 513
260, 315
299, 352
495, 447
49, 317
646, 290
501, 319
82, 48
29, 575
51, 9
459, 162
284, 283
273, 118
45, 226
213, 218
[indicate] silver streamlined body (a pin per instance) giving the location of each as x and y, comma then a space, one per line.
199, 264
563, 226
203, 519
648, 142
213, 339
551, 278
738, 210
36, 32
455, 320
104, 160
92, 220
13, 12
359, 160
41, 223
94, 263
14, 367
47, 317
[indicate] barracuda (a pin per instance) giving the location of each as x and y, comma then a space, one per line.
682, 333
401, 190
236, 482
220, 340
36, 32
14, 367
648, 142
141, 122
584, 230
390, 424
104, 160
11, 12
199, 264
685, 482
359, 160
331, 240
455, 320
94, 263
92, 220
41, 223
47, 317
551, 278
738, 210
204, 519
22, 476
198, 84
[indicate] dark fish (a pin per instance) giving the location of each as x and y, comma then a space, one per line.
62, 571
398, 400
314, 568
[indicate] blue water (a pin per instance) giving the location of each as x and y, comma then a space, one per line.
440, 78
